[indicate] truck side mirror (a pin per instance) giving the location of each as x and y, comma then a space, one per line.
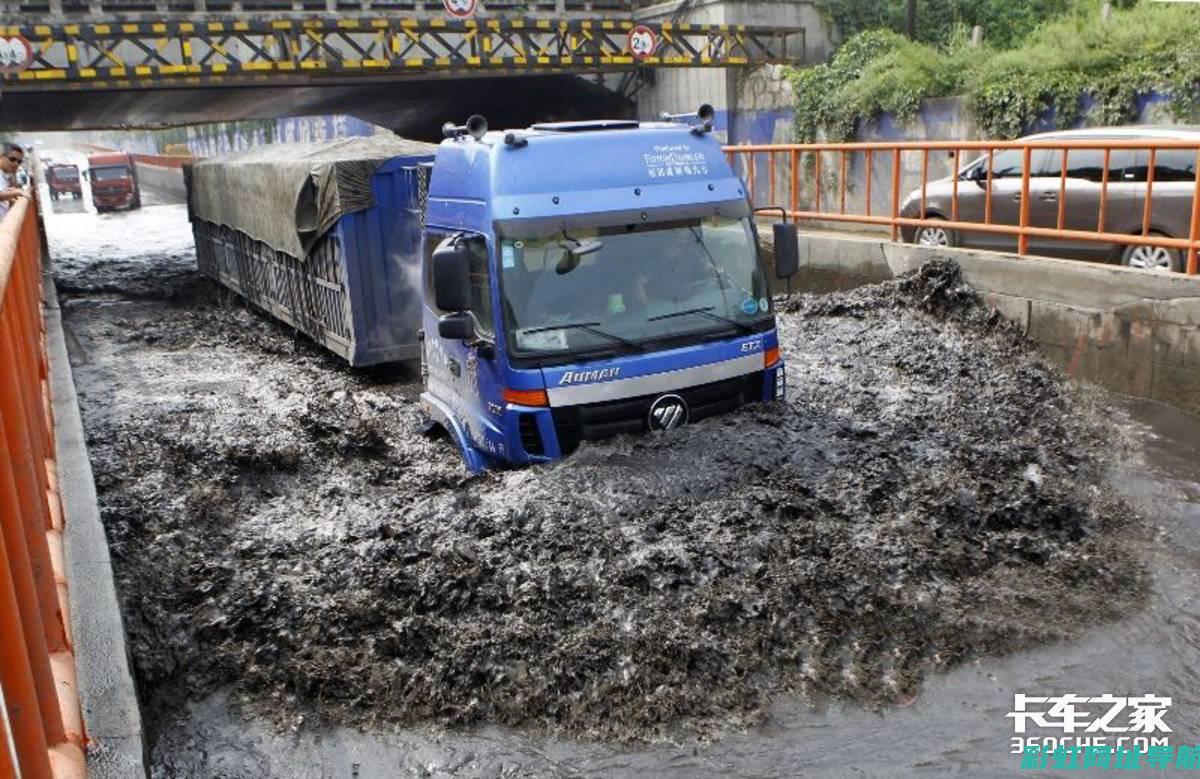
451, 280
457, 326
787, 250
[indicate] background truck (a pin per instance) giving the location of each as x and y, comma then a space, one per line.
63, 181
114, 182
563, 283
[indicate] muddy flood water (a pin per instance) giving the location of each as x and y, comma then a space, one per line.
854, 582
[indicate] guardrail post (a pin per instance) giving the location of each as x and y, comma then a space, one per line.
1194, 232
1022, 236
895, 192
795, 165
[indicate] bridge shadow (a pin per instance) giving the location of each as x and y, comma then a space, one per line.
415, 109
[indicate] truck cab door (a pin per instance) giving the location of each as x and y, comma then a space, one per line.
466, 372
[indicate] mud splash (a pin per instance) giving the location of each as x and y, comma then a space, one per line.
930, 492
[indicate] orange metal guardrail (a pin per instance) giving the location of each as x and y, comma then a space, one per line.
793, 155
41, 727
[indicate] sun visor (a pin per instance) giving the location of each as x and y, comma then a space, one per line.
537, 226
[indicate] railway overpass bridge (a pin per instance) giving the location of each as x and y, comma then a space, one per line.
120, 64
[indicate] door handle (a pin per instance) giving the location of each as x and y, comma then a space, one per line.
1048, 197
455, 368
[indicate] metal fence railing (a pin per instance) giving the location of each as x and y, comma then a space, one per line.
1097, 196
59, 10
41, 729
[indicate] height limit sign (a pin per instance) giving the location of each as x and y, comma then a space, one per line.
642, 42
461, 9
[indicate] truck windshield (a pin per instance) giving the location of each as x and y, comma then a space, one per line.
64, 174
110, 173
631, 285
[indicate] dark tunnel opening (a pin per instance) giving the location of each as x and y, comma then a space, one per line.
415, 109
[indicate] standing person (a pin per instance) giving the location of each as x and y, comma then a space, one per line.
10, 163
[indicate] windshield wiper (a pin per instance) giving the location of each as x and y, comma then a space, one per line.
708, 312
591, 327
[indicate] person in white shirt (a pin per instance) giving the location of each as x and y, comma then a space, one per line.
10, 163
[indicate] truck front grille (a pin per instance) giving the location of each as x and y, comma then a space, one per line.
595, 421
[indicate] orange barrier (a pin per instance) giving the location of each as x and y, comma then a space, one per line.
163, 160
41, 730
749, 157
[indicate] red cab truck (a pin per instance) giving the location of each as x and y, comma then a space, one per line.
63, 180
114, 182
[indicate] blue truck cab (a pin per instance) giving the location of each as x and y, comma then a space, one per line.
587, 279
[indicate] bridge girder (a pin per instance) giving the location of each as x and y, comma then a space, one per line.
232, 50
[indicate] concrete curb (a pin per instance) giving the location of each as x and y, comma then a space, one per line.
111, 717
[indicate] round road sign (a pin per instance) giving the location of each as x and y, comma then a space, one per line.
15, 53
642, 42
461, 9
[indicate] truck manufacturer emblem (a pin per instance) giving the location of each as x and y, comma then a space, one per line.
583, 377
668, 413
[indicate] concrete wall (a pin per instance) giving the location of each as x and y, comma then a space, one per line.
1134, 332
752, 105
209, 140
165, 182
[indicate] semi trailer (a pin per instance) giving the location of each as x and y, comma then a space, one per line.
569, 281
114, 182
63, 181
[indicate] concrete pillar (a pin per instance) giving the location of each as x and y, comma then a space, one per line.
752, 106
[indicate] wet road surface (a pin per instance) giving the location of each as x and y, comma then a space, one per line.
153, 344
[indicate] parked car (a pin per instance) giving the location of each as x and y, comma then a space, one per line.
1171, 207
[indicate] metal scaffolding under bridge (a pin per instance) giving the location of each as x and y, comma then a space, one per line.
232, 49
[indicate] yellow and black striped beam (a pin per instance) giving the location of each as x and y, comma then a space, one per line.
121, 55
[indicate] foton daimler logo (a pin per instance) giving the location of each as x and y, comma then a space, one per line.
584, 377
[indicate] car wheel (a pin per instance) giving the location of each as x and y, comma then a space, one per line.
934, 236
1152, 257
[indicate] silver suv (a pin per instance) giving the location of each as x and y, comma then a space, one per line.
1171, 209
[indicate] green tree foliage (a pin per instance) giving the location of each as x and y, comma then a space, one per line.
1005, 22
1075, 60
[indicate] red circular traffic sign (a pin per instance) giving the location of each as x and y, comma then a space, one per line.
15, 53
461, 9
643, 42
